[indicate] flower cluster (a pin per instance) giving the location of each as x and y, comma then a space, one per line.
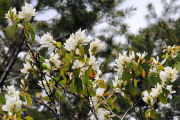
48, 42
123, 61
27, 13
171, 51
76, 39
163, 88
13, 102
155, 65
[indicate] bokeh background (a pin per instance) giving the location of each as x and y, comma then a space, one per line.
135, 25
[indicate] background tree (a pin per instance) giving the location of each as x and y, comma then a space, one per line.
75, 15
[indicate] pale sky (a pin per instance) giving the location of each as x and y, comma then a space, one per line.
135, 21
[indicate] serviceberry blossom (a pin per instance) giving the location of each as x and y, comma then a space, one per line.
27, 12
53, 62
95, 66
168, 74
141, 56
155, 92
155, 65
77, 64
89, 63
100, 91
118, 84
11, 91
102, 114
27, 68
76, 39
169, 88
95, 46
48, 42
147, 98
13, 102
123, 60
172, 51
8, 15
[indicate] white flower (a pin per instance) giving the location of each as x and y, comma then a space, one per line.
95, 46
100, 91
102, 114
123, 60
76, 39
169, 88
172, 51
118, 84
53, 62
11, 11
147, 98
81, 37
155, 65
155, 92
48, 42
95, 66
77, 64
27, 12
168, 74
95, 102
141, 56
71, 43
27, 68
12, 91
13, 102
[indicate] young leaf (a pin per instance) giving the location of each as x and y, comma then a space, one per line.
28, 118
78, 85
31, 30
126, 75
162, 98
153, 113
86, 76
147, 113
29, 100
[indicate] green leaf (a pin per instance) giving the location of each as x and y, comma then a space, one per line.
102, 84
147, 113
18, 114
86, 77
62, 82
135, 83
57, 94
165, 91
81, 49
2, 99
162, 98
126, 75
76, 73
47, 99
152, 79
58, 44
62, 72
177, 65
137, 69
29, 100
10, 31
130, 89
78, 85
68, 57
153, 113
28, 118
31, 29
